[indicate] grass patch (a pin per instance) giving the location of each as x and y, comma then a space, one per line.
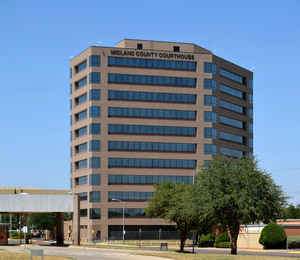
293, 238
13, 256
183, 256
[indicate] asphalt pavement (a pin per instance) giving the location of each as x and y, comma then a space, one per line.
82, 252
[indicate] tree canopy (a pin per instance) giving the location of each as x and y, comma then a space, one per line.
235, 191
43, 220
175, 203
292, 212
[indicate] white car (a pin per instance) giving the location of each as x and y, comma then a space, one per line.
35, 232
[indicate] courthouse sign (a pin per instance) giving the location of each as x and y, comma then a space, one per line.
151, 54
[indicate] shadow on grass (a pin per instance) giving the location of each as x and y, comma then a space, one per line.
184, 252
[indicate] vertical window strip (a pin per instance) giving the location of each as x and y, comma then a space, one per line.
210, 84
94, 61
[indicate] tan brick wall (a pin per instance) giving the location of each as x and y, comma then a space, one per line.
249, 240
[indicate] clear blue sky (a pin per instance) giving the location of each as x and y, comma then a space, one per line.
37, 39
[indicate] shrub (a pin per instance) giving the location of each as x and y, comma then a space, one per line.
223, 245
273, 237
206, 240
221, 239
15, 235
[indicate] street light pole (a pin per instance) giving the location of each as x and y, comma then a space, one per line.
123, 214
123, 221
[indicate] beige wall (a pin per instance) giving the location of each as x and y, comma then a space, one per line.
249, 240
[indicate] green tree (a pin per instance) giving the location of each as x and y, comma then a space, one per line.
14, 218
292, 212
235, 192
43, 220
175, 203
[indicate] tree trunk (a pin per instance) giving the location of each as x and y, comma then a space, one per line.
234, 230
183, 235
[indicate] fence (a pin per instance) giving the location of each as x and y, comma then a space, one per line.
146, 235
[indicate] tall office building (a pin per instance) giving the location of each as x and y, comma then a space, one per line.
144, 112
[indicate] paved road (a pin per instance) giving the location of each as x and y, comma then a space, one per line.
84, 253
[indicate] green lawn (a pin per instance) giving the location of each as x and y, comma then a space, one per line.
293, 238
182, 256
13, 256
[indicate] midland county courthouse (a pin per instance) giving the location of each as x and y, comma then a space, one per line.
145, 112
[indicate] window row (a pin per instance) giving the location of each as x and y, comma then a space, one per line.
94, 111
95, 146
232, 76
151, 113
81, 66
129, 195
95, 196
94, 179
210, 116
81, 83
151, 147
250, 98
151, 80
152, 130
210, 100
151, 63
128, 212
94, 78
94, 163
210, 149
81, 99
212, 133
151, 96
95, 213
231, 106
95, 129
231, 91
250, 127
231, 152
147, 179
231, 137
231, 122
250, 112
210, 67
94, 61
210, 84
94, 94
151, 163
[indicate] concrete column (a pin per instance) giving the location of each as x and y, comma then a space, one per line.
76, 220
59, 229
104, 232
26, 224
90, 232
